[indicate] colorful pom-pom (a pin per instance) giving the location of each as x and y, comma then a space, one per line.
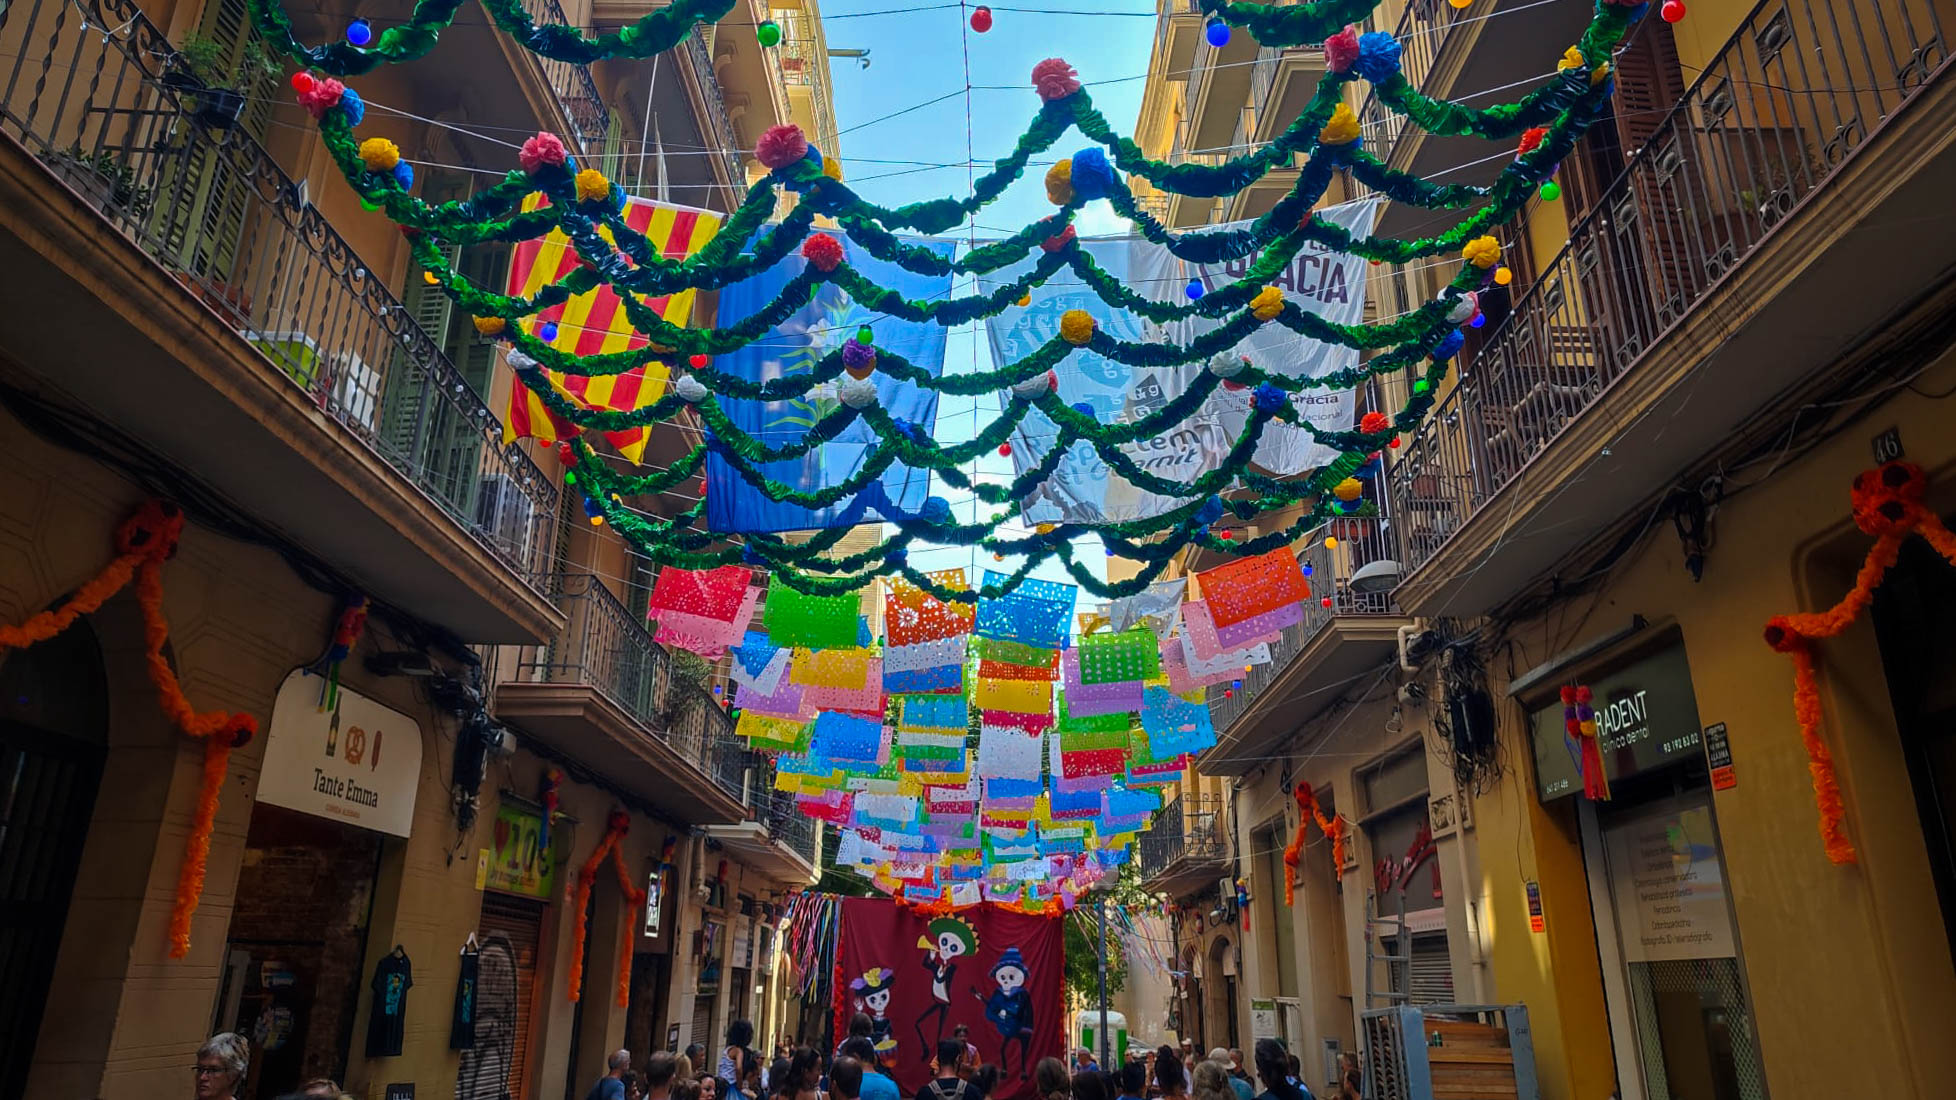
1054, 79
1267, 397
1378, 57
592, 186
858, 358
1482, 252
490, 326
1268, 303
352, 107
1059, 183
1571, 59
1341, 50
1531, 138
1342, 129
1076, 327
321, 95
857, 393
544, 151
823, 251
832, 168
1093, 177
404, 175
1468, 305
1450, 344
1228, 364
1349, 489
936, 510
1058, 240
781, 146
1374, 422
690, 390
379, 154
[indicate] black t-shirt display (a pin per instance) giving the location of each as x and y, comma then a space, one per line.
392, 979
461, 1025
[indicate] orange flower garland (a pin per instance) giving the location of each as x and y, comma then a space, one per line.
1308, 811
143, 543
616, 827
1888, 505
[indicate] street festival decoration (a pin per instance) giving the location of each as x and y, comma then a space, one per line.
1888, 505
977, 751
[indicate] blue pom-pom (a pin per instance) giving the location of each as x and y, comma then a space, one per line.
1217, 33
1084, 408
404, 174
547, 332
592, 507
813, 156
1449, 344
1267, 397
353, 106
359, 32
1210, 512
1378, 56
1194, 290
1093, 176
936, 510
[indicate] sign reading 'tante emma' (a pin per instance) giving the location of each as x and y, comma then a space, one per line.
358, 762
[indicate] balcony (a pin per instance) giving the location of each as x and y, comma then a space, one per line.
575, 90
1186, 846
168, 279
1771, 222
1177, 30
1315, 660
1219, 89
780, 842
602, 694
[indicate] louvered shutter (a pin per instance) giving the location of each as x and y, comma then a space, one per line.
203, 228
518, 922
407, 399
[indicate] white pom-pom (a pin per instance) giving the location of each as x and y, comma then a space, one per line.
520, 361
1034, 386
1463, 311
690, 390
1227, 364
857, 393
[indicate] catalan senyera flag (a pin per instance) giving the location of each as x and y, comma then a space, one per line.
595, 323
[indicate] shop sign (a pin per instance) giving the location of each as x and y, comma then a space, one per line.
1263, 1020
1718, 757
404, 1091
655, 901
1536, 922
1646, 718
1669, 888
359, 762
518, 861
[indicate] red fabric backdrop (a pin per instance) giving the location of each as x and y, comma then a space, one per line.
879, 935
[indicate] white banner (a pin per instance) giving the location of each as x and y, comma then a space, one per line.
359, 762
1083, 489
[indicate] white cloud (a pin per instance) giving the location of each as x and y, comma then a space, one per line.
1098, 219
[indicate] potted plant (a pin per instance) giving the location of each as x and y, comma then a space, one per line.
214, 81
106, 180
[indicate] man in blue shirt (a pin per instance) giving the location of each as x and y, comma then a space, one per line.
612, 1085
876, 1085
1239, 1086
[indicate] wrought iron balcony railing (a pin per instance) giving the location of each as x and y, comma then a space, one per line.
109, 113
577, 91
1191, 828
1423, 30
1786, 103
718, 126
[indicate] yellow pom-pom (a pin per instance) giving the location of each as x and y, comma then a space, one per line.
832, 168
1059, 183
1267, 304
1342, 129
1025, 300
1348, 490
592, 186
1571, 59
430, 278
1482, 252
1503, 276
379, 154
1076, 327
489, 326
1599, 74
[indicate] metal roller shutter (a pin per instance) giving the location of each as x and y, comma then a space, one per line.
518, 922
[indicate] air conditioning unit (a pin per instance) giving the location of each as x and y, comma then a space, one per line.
504, 513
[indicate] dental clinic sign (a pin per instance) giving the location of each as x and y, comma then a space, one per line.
358, 762
1646, 718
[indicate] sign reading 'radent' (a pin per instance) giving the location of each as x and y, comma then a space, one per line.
358, 762
1646, 717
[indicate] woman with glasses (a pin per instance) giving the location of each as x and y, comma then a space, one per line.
221, 1065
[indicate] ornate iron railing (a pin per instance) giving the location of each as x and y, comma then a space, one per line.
576, 90
718, 128
1788, 101
1192, 827
93, 90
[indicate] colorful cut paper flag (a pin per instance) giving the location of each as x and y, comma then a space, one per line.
1247, 587
795, 618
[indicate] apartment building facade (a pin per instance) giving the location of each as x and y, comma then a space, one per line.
1736, 305
199, 310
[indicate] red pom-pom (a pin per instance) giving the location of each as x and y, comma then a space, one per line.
1059, 240
1531, 138
1568, 696
1341, 49
698, 361
542, 151
1584, 695
981, 20
1054, 79
302, 82
1374, 422
781, 146
567, 454
822, 250
1393, 442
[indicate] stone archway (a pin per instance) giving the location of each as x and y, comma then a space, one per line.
1219, 995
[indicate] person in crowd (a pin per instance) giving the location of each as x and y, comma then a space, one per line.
1091, 1085
1083, 1061
1296, 1072
1273, 1069
1148, 1075
1211, 1082
846, 1078
321, 1088
1188, 1052
1236, 1070
612, 1085
860, 1026
1170, 1077
221, 1065
1049, 1081
695, 1055
710, 1086
945, 1083
1131, 1083
1238, 1089
656, 1080
985, 1080
805, 1074
970, 1064
753, 1079
740, 1036
876, 1085
1351, 1077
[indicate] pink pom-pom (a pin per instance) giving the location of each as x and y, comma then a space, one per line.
322, 96
1054, 79
824, 251
781, 146
1058, 240
542, 150
1341, 49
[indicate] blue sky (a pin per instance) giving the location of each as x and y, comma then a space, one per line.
919, 56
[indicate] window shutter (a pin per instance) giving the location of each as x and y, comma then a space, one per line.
517, 923
407, 398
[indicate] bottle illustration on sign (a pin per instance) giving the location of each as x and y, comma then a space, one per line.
333, 733
373, 758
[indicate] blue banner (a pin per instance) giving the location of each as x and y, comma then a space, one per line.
795, 347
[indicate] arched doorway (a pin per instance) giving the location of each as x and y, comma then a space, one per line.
54, 725
1219, 995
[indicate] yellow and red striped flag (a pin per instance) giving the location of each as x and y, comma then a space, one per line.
595, 323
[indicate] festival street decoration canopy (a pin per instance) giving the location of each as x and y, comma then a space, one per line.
980, 745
